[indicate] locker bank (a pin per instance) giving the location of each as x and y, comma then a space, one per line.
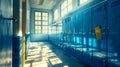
59, 33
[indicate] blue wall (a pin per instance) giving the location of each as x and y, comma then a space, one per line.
6, 33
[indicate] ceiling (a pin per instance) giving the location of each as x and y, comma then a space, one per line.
43, 4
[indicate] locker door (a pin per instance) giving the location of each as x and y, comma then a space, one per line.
6, 33
77, 29
79, 23
69, 28
73, 29
100, 40
86, 27
99, 24
64, 30
114, 24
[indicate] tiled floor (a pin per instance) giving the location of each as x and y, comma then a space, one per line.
42, 54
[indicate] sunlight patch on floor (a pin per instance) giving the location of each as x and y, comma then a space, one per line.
55, 61
38, 55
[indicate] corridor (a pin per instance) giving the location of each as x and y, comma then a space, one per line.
59, 33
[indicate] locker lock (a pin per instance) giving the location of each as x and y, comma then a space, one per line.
98, 32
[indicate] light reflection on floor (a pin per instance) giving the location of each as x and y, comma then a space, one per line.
38, 55
66, 66
44, 54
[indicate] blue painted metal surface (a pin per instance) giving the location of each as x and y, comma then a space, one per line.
16, 51
6, 33
114, 19
105, 14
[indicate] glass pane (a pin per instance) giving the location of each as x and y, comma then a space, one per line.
83, 1
54, 28
69, 8
45, 18
44, 27
65, 3
69, 2
62, 6
37, 27
37, 14
56, 15
37, 22
44, 23
37, 18
44, 31
59, 28
37, 31
45, 14
65, 11
62, 13
53, 31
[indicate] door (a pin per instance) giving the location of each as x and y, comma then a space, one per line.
6, 33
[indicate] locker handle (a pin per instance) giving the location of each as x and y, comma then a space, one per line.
9, 19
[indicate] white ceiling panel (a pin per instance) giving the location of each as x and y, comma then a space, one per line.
43, 4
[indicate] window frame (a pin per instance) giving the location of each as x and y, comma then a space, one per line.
41, 30
56, 14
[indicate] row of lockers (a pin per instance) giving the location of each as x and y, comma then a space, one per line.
96, 27
100, 22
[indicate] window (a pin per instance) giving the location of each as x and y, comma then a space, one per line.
44, 23
41, 22
44, 27
56, 15
37, 22
44, 14
66, 7
37, 15
53, 30
59, 29
37, 29
83, 1
69, 5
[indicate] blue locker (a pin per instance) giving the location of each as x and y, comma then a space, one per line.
6, 33
114, 32
99, 19
114, 19
79, 20
73, 36
87, 26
